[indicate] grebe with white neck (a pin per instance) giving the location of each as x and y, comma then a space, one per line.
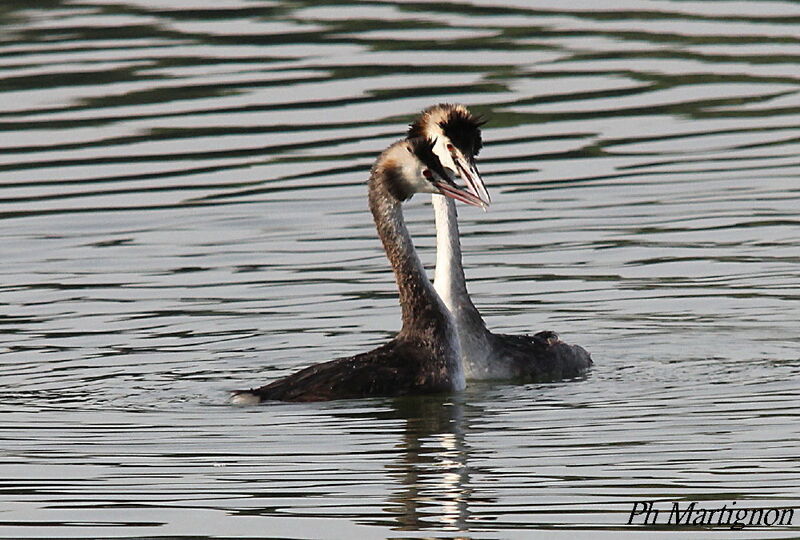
538, 358
425, 356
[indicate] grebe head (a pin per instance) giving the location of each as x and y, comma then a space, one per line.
456, 133
412, 166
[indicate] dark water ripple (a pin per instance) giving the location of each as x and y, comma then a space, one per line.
182, 212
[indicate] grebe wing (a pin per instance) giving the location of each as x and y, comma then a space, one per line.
393, 369
543, 357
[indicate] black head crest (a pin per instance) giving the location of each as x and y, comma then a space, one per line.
455, 122
464, 130
416, 129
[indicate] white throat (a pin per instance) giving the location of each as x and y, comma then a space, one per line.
477, 353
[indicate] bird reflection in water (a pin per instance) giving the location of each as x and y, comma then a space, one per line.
433, 469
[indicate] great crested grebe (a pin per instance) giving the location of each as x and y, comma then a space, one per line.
538, 358
424, 357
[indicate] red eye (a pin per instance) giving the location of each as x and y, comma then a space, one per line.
450, 147
427, 174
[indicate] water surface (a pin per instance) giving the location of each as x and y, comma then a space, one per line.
182, 213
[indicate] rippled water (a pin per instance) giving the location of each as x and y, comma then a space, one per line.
182, 212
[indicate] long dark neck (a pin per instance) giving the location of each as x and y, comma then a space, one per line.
420, 304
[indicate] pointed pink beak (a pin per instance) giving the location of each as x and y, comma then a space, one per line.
469, 172
459, 194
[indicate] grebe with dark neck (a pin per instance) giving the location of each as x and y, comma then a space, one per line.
486, 355
424, 357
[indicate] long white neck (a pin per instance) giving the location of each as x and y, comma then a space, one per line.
449, 278
451, 285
